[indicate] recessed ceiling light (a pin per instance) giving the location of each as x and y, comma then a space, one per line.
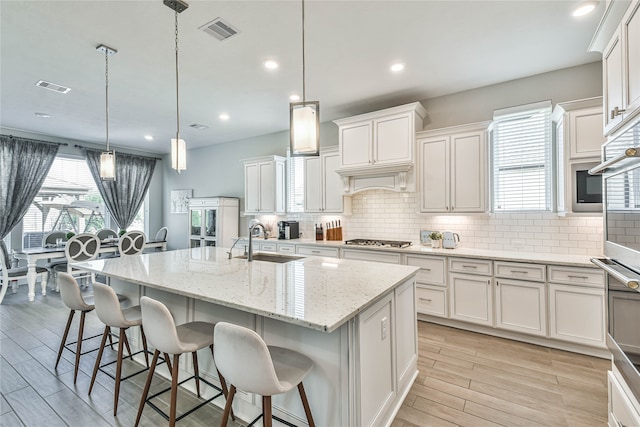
223, 116
397, 67
271, 64
43, 115
585, 8
294, 98
148, 137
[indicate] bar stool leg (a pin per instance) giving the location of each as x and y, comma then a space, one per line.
121, 339
267, 420
174, 390
106, 333
168, 360
64, 336
227, 406
223, 383
144, 346
79, 346
126, 343
147, 386
196, 372
305, 404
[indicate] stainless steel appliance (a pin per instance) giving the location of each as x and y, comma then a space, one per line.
378, 243
621, 183
288, 230
587, 189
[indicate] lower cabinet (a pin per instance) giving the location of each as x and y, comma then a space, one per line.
622, 411
521, 306
374, 256
471, 298
576, 314
431, 300
316, 251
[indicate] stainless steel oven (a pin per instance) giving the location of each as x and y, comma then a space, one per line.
621, 211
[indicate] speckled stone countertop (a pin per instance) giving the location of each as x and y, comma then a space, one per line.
315, 292
462, 252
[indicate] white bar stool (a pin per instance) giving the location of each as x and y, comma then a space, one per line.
168, 338
113, 316
248, 364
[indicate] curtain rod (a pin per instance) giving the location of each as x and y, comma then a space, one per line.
36, 140
131, 154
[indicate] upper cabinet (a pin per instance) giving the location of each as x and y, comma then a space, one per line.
264, 185
621, 71
322, 185
453, 169
376, 150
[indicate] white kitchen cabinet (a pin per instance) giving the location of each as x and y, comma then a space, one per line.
622, 406
471, 298
374, 255
452, 165
322, 185
431, 300
431, 284
521, 306
213, 221
317, 251
265, 185
621, 71
576, 314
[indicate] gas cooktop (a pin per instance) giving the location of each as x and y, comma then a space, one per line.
378, 243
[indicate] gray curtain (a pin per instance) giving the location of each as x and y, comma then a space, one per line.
24, 164
125, 195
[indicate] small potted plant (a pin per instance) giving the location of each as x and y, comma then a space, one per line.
436, 239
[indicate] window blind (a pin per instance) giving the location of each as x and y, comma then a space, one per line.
521, 153
295, 184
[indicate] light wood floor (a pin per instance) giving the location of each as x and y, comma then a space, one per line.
465, 379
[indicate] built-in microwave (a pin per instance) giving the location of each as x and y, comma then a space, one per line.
586, 188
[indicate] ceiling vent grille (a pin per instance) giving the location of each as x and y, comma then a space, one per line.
52, 86
219, 29
199, 126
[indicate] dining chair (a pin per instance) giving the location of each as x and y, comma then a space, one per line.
132, 243
161, 235
106, 233
248, 364
79, 248
10, 276
56, 264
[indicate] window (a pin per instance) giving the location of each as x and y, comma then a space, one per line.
295, 184
521, 156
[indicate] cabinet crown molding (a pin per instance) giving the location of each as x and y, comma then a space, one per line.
413, 107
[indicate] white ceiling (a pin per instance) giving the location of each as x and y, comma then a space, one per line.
447, 46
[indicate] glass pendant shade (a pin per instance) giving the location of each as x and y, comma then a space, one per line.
305, 128
108, 166
178, 154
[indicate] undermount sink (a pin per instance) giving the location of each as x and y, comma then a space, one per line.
260, 256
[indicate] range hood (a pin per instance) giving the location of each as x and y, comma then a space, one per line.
398, 177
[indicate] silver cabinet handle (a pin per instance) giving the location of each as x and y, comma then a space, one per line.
571, 276
519, 271
315, 252
469, 266
425, 299
616, 112
613, 269
452, 207
426, 269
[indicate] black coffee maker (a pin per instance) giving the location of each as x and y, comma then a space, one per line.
288, 230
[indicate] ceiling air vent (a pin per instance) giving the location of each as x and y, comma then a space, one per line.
52, 86
219, 29
198, 126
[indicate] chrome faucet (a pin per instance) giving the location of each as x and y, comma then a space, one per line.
251, 228
234, 245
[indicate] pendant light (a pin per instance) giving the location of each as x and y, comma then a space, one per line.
304, 118
108, 157
178, 146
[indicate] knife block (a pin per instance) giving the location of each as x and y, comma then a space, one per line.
334, 233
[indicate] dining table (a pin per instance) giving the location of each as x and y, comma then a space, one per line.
33, 255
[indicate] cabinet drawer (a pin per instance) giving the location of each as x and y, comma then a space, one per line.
471, 266
432, 269
516, 270
316, 251
374, 256
431, 300
268, 247
286, 249
621, 409
576, 276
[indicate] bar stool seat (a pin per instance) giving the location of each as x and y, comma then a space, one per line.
250, 365
167, 338
114, 316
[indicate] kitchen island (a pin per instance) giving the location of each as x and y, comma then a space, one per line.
356, 320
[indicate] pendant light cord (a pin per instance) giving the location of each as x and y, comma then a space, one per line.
106, 90
177, 92
304, 95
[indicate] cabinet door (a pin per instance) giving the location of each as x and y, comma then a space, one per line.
195, 223
331, 183
521, 306
434, 174
468, 172
279, 193
355, 144
210, 223
612, 90
631, 37
622, 411
586, 134
267, 187
471, 299
251, 187
576, 314
393, 139
405, 332
312, 184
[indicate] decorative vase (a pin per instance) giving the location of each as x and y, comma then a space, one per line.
436, 243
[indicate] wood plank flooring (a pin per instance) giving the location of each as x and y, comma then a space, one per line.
466, 379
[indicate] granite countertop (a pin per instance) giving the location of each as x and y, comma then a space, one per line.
462, 252
315, 292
